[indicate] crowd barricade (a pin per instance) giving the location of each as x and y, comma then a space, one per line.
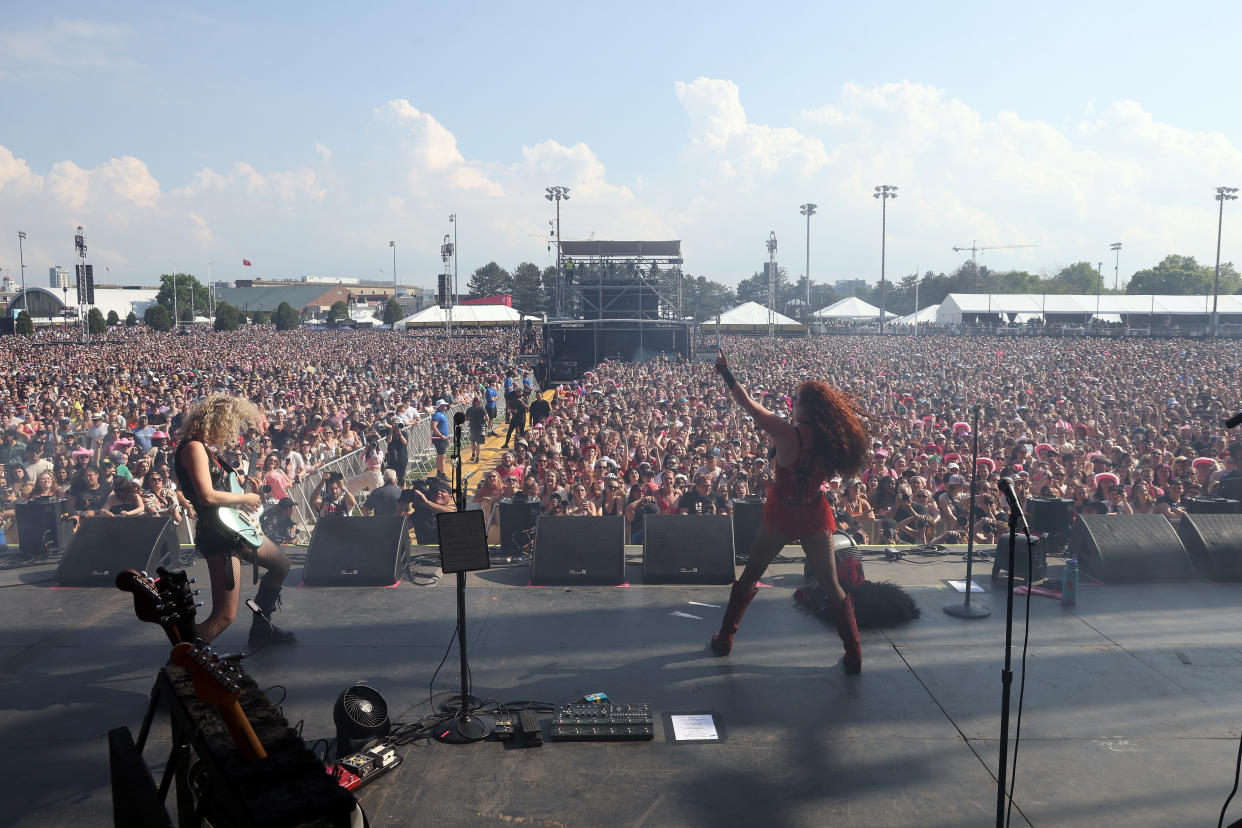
420, 452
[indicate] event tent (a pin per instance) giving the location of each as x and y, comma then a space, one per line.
956, 306
475, 316
752, 316
850, 307
924, 316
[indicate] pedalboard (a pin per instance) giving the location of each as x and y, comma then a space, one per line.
357, 769
603, 723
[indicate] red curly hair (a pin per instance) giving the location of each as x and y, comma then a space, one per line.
841, 439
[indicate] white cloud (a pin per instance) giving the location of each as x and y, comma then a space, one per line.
324, 153
62, 47
201, 231
15, 174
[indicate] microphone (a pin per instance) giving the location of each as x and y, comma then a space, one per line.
1234, 421
1005, 484
459, 418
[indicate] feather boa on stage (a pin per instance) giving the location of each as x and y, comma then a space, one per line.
876, 605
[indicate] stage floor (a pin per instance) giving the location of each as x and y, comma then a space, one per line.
1132, 711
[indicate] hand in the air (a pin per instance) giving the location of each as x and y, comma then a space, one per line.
721, 362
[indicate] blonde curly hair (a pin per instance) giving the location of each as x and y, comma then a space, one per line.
218, 419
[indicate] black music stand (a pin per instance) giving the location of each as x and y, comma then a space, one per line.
463, 548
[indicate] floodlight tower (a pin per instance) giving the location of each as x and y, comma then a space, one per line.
771, 284
808, 210
883, 192
1223, 194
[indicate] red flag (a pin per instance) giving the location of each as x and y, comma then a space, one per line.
246, 262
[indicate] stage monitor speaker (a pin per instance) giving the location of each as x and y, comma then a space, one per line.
103, 546
1213, 506
688, 549
1049, 515
517, 523
747, 516
1036, 557
1214, 542
579, 550
1230, 488
1118, 548
43, 526
357, 551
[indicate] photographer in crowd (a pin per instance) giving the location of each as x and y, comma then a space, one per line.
331, 497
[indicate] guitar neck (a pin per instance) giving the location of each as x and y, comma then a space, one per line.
239, 728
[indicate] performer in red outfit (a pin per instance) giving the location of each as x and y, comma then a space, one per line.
824, 437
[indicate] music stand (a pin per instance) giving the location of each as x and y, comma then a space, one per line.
463, 548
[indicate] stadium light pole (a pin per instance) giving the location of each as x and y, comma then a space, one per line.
21, 255
1223, 194
808, 210
174, 281
1099, 285
557, 194
1116, 248
453, 221
393, 245
884, 192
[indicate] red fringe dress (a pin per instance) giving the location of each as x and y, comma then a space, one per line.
796, 507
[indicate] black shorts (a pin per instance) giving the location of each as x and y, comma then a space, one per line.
441, 446
476, 435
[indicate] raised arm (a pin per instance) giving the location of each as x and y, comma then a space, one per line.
764, 418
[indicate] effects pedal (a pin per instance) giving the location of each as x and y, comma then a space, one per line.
603, 723
502, 728
532, 734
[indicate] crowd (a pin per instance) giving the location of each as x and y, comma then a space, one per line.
1109, 425
1105, 426
96, 424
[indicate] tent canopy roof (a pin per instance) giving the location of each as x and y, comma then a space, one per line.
851, 307
464, 315
753, 314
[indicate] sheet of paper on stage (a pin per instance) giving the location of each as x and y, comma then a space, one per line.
960, 586
694, 727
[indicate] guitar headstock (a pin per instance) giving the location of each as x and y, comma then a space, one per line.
148, 603
177, 595
215, 682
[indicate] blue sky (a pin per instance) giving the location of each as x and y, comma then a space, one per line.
304, 137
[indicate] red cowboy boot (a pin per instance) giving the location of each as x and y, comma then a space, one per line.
847, 628
739, 600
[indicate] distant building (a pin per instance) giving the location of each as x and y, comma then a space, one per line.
58, 278
850, 286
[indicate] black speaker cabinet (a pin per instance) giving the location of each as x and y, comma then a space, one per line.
688, 549
103, 546
1214, 542
747, 515
1117, 548
579, 550
357, 551
41, 525
1035, 558
517, 524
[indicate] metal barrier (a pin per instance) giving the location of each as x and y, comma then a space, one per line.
420, 451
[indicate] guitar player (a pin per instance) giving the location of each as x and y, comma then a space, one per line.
213, 424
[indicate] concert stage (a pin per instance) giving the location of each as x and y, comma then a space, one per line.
1132, 711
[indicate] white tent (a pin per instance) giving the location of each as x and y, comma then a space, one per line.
850, 307
752, 316
470, 315
957, 305
924, 316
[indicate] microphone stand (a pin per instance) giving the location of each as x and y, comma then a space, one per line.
464, 727
967, 609
1007, 672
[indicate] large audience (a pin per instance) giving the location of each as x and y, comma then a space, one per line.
1116, 425
1097, 426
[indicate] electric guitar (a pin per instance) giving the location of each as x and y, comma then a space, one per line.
244, 524
218, 683
168, 601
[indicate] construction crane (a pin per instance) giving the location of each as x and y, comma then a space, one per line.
974, 249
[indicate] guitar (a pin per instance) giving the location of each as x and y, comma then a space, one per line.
244, 524
218, 683
168, 601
